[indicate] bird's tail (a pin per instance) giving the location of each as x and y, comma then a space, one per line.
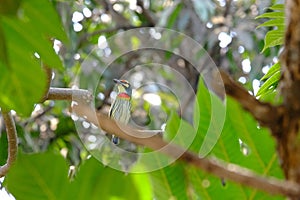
115, 139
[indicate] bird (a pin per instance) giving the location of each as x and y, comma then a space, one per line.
121, 106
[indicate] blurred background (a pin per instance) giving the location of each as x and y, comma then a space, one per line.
226, 29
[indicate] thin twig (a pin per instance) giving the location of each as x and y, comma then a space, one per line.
45, 111
154, 141
12, 143
146, 13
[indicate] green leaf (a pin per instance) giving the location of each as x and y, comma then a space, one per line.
258, 141
22, 79
16, 33
274, 15
277, 7
242, 143
107, 183
273, 38
179, 131
38, 12
21, 86
39, 176
273, 22
44, 176
275, 68
173, 17
272, 81
170, 182
209, 115
271, 96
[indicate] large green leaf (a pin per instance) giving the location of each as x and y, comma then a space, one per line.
22, 84
170, 182
258, 141
44, 176
241, 142
39, 12
244, 144
22, 79
209, 116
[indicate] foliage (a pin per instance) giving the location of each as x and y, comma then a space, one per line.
44, 176
271, 79
27, 34
272, 38
35, 176
241, 142
25, 42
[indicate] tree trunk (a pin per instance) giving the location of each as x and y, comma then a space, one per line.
287, 132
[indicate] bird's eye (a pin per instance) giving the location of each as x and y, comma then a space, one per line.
125, 83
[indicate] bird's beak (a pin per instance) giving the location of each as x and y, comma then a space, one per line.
117, 81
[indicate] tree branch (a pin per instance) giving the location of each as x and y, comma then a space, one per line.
12, 143
154, 141
265, 113
146, 13
68, 94
228, 171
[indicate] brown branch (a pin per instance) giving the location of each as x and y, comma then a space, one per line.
228, 171
227, 8
265, 113
12, 143
146, 13
68, 94
45, 111
154, 141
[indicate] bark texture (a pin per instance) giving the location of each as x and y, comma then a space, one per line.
287, 134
